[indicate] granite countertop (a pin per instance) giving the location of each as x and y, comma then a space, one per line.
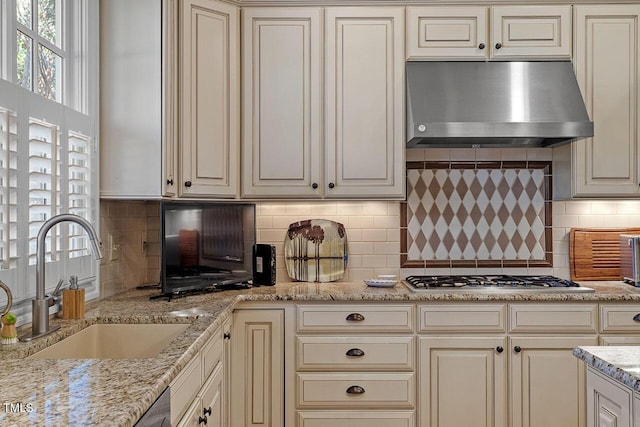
621, 363
91, 392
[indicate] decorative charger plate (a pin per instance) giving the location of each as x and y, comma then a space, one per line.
315, 250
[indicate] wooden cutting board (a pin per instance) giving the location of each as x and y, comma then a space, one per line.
594, 253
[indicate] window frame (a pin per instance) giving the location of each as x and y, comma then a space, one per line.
76, 114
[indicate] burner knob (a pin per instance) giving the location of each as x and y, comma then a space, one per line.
517, 349
499, 349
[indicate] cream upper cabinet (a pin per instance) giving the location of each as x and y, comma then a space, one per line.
138, 99
210, 90
607, 65
282, 101
341, 138
364, 102
481, 33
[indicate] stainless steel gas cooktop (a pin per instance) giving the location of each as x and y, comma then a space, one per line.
492, 283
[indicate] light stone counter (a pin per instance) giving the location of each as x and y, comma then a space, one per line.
111, 392
621, 363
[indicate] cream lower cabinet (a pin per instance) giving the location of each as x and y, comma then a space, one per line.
257, 368
618, 324
354, 365
607, 66
609, 403
199, 392
463, 381
210, 97
462, 365
546, 380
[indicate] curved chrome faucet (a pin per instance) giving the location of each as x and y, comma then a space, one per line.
42, 302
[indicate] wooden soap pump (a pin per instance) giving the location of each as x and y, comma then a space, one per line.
73, 300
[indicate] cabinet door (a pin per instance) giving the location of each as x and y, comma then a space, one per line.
210, 96
531, 31
257, 368
447, 32
282, 98
607, 64
462, 381
364, 102
608, 404
213, 397
547, 381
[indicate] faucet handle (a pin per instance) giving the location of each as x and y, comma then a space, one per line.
56, 292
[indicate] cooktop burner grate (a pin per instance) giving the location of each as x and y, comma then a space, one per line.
493, 282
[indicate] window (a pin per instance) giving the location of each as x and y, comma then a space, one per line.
48, 135
39, 47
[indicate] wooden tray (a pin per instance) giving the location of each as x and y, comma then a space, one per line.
594, 253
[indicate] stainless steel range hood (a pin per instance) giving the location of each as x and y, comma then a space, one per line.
494, 104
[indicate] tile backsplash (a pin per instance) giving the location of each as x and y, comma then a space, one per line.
372, 231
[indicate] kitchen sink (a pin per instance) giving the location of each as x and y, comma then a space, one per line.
114, 341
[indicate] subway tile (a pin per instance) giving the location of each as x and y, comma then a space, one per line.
374, 208
461, 154
512, 154
536, 154
603, 207
591, 221
361, 248
354, 235
436, 154
393, 261
415, 155
578, 207
360, 222
488, 154
628, 207
348, 208
566, 221
386, 221
264, 221
386, 248
372, 235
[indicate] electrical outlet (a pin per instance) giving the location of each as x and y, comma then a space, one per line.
143, 242
114, 247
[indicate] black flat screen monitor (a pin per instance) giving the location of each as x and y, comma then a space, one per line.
206, 244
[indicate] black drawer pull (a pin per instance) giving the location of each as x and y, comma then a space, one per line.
355, 317
355, 352
355, 389
636, 318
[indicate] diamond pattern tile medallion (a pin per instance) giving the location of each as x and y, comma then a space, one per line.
468, 212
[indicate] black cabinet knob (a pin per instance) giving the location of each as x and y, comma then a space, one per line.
355, 352
517, 349
187, 184
499, 349
481, 46
331, 185
314, 185
202, 420
498, 45
355, 317
207, 411
355, 389
170, 181
227, 335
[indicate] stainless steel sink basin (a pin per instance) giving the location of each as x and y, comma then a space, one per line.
114, 341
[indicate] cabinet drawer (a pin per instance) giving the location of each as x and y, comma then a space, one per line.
619, 318
392, 390
352, 418
463, 317
553, 317
212, 353
184, 389
355, 318
354, 353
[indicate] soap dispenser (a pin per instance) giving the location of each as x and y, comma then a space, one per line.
73, 300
